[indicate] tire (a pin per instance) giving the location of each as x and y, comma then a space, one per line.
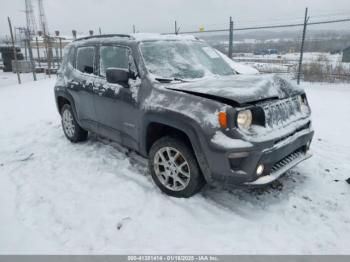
71, 128
166, 172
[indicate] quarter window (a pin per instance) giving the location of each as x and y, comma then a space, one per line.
85, 59
113, 57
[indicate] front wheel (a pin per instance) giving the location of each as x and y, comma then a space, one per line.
70, 126
174, 168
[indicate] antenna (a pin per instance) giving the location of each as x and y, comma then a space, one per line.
42, 18
30, 18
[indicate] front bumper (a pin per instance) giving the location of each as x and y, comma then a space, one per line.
277, 157
282, 167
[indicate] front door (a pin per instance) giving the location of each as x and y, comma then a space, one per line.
115, 103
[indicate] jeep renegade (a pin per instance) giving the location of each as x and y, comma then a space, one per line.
176, 101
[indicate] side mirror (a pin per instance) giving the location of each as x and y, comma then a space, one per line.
133, 74
117, 76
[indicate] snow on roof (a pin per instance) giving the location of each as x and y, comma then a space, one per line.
154, 36
137, 37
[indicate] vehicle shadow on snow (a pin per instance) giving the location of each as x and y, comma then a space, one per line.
254, 197
233, 199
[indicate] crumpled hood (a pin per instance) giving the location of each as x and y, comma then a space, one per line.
241, 89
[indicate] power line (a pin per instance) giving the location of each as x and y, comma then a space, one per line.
293, 20
330, 21
346, 13
269, 26
287, 19
294, 25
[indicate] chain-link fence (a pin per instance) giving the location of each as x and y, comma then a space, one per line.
313, 49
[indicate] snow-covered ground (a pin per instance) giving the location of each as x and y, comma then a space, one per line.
294, 56
94, 197
287, 63
11, 78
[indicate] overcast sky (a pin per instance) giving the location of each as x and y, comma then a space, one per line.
118, 16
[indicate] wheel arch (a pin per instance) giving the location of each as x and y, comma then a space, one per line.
63, 98
61, 101
158, 125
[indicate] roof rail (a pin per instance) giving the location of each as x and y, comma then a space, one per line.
102, 36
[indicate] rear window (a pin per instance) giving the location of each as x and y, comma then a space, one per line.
85, 59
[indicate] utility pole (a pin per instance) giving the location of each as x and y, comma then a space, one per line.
30, 18
42, 35
306, 19
61, 49
230, 47
31, 59
25, 48
37, 49
177, 29
57, 34
14, 50
49, 54
74, 33
46, 34
133, 29
56, 51
42, 18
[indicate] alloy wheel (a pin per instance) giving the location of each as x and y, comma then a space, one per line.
68, 123
171, 168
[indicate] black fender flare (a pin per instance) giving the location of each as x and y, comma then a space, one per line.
67, 96
185, 124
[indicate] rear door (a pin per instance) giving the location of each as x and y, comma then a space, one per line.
81, 86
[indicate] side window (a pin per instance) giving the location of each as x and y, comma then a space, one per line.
68, 56
113, 56
85, 59
71, 56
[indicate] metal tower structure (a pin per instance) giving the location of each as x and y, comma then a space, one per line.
30, 18
42, 18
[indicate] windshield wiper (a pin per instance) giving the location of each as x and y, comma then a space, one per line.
169, 80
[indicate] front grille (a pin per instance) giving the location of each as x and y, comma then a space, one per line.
287, 160
307, 125
279, 112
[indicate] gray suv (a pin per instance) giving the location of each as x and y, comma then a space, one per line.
176, 101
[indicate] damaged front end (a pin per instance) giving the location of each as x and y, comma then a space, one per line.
280, 132
287, 132
268, 128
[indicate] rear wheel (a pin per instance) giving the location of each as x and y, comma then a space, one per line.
174, 168
71, 128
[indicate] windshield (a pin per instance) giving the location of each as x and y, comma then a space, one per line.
183, 60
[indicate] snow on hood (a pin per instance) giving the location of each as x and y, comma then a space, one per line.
238, 67
241, 88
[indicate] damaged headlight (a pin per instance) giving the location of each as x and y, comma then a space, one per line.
244, 119
304, 107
